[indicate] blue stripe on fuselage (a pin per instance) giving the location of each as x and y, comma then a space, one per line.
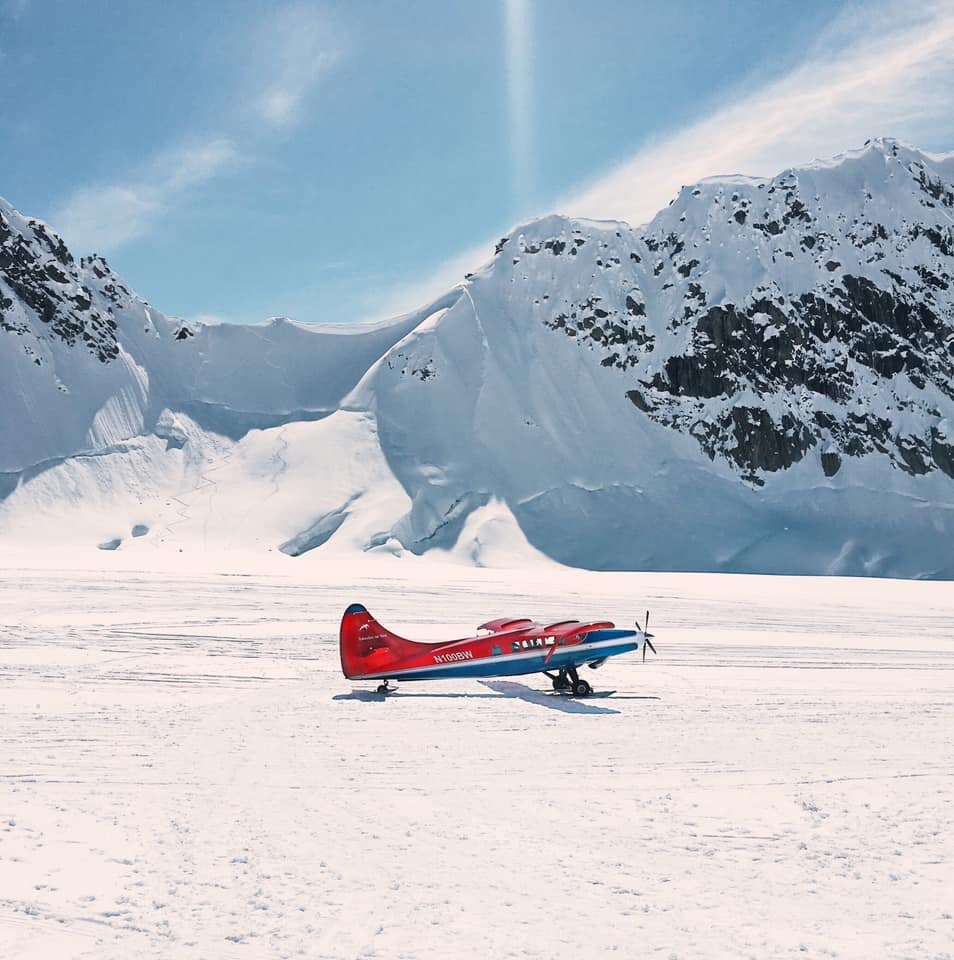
573, 656
598, 636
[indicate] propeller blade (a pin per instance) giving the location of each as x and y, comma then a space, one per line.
647, 642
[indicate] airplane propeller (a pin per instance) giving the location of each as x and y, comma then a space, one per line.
647, 636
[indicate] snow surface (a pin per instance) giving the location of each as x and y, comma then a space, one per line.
185, 772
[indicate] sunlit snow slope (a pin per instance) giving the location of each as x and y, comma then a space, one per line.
761, 379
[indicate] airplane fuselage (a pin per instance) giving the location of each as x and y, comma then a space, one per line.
504, 647
509, 654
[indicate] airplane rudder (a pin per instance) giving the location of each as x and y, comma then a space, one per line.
366, 646
354, 618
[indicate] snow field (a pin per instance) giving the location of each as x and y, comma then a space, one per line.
184, 771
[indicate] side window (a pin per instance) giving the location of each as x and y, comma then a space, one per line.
549, 641
527, 644
538, 642
495, 651
514, 646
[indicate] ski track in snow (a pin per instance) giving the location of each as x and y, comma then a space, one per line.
185, 773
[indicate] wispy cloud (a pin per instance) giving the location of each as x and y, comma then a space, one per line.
882, 69
301, 45
286, 54
192, 165
103, 217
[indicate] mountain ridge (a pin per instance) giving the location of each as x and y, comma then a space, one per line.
781, 348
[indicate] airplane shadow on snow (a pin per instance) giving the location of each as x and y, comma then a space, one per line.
555, 701
507, 688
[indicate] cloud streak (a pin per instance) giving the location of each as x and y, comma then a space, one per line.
867, 76
307, 47
103, 217
887, 69
287, 54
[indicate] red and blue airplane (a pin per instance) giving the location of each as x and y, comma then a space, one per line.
502, 648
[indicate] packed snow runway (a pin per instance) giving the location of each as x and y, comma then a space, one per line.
184, 772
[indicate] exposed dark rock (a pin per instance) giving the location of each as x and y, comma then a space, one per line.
761, 444
623, 335
942, 452
831, 463
635, 308
686, 268
779, 347
936, 188
638, 400
915, 455
690, 376
40, 272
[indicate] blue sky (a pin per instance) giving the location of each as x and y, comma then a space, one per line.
341, 161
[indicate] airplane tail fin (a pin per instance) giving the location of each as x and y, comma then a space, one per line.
366, 647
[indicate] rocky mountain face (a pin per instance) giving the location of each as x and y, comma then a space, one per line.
48, 284
808, 313
762, 378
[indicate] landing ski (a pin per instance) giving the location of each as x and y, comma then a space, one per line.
595, 695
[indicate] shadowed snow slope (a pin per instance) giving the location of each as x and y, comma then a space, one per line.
761, 379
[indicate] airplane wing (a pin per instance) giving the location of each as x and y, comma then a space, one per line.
571, 632
505, 623
572, 628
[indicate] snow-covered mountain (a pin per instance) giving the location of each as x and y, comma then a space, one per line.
760, 379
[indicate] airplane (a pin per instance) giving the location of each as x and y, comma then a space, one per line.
502, 648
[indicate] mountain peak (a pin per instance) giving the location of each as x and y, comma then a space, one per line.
761, 378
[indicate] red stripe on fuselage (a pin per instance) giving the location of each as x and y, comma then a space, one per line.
398, 654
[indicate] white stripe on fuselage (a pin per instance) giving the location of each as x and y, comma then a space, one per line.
572, 650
